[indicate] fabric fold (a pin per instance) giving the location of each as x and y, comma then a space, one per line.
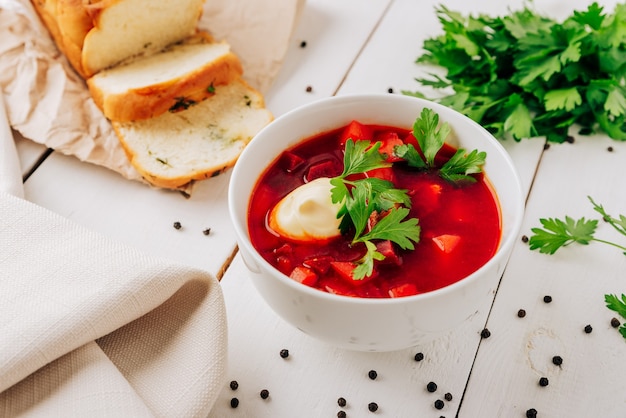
160, 323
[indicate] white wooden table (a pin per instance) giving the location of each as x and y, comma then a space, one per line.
370, 46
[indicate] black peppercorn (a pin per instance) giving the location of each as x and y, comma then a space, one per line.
303, 44
615, 322
372, 374
177, 225
341, 414
610, 149
557, 360
341, 402
546, 146
448, 396
284, 353
419, 357
524, 238
264, 394
547, 299
439, 404
234, 403
309, 89
234, 385
431, 387
543, 382
531, 413
372, 406
390, 90
207, 231
588, 329
485, 333
521, 313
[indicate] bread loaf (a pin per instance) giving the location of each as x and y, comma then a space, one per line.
175, 149
171, 80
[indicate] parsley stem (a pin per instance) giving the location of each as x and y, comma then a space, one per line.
610, 243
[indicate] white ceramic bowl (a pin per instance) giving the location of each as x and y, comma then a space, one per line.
373, 324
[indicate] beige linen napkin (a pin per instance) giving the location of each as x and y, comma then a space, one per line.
94, 328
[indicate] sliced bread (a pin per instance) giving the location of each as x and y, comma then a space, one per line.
202, 141
171, 80
127, 28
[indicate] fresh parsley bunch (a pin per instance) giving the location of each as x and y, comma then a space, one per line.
527, 75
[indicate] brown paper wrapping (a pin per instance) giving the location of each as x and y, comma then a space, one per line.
47, 102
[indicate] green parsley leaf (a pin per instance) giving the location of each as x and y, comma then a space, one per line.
365, 266
558, 233
429, 135
461, 165
362, 156
392, 227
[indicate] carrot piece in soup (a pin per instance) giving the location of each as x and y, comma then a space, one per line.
304, 275
357, 132
406, 289
446, 242
345, 270
389, 140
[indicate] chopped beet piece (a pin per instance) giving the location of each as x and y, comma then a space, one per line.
446, 242
284, 264
387, 249
406, 289
326, 168
304, 275
290, 161
320, 264
357, 132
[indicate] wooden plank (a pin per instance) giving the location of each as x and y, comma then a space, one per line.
505, 378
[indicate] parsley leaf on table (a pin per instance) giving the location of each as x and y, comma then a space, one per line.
558, 233
526, 75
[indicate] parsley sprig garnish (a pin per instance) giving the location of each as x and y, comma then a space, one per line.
369, 197
557, 233
365, 196
431, 137
527, 75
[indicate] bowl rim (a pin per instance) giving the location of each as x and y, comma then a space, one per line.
243, 236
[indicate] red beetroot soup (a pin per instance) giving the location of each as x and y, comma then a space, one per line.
460, 224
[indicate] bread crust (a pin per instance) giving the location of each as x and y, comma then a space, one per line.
171, 95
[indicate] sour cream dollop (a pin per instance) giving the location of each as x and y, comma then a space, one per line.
307, 213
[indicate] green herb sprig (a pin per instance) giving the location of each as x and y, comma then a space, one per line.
370, 196
365, 196
527, 75
557, 233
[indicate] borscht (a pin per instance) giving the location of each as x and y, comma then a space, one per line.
376, 211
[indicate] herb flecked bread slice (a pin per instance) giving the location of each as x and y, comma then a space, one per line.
202, 141
173, 79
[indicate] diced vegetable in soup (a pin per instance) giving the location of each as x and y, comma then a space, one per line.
376, 211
